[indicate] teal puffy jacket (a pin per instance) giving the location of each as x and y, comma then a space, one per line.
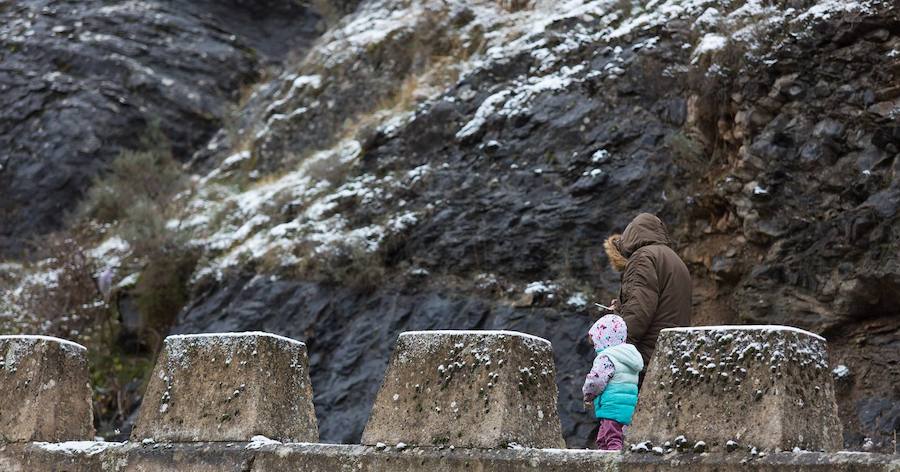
618, 400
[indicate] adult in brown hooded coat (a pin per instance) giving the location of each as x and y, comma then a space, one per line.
656, 285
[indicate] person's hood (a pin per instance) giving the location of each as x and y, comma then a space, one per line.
608, 331
644, 230
626, 354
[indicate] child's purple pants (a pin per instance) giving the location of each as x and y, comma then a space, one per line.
609, 437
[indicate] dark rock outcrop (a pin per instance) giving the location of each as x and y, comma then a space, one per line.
80, 81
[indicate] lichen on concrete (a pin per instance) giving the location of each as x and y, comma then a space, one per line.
765, 387
45, 393
229, 387
467, 388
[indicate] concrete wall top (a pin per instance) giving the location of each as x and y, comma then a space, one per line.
739, 328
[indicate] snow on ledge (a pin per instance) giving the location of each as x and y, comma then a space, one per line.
745, 328
243, 334
476, 332
37, 337
259, 441
88, 448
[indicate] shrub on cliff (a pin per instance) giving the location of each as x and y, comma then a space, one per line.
150, 176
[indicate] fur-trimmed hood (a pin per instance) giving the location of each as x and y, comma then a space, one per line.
616, 259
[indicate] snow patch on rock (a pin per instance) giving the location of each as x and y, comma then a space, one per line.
85, 448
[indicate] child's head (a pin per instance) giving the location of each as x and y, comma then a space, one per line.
607, 332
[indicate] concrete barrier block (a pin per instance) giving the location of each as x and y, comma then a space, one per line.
767, 387
483, 389
229, 387
45, 393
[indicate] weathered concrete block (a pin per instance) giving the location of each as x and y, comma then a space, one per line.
229, 387
767, 387
45, 394
482, 389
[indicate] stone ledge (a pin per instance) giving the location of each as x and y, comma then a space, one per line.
87, 456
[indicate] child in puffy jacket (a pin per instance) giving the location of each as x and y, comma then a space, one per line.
612, 383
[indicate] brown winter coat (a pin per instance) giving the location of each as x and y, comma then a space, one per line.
656, 285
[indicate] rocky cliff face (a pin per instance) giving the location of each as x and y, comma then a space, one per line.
428, 164
80, 81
